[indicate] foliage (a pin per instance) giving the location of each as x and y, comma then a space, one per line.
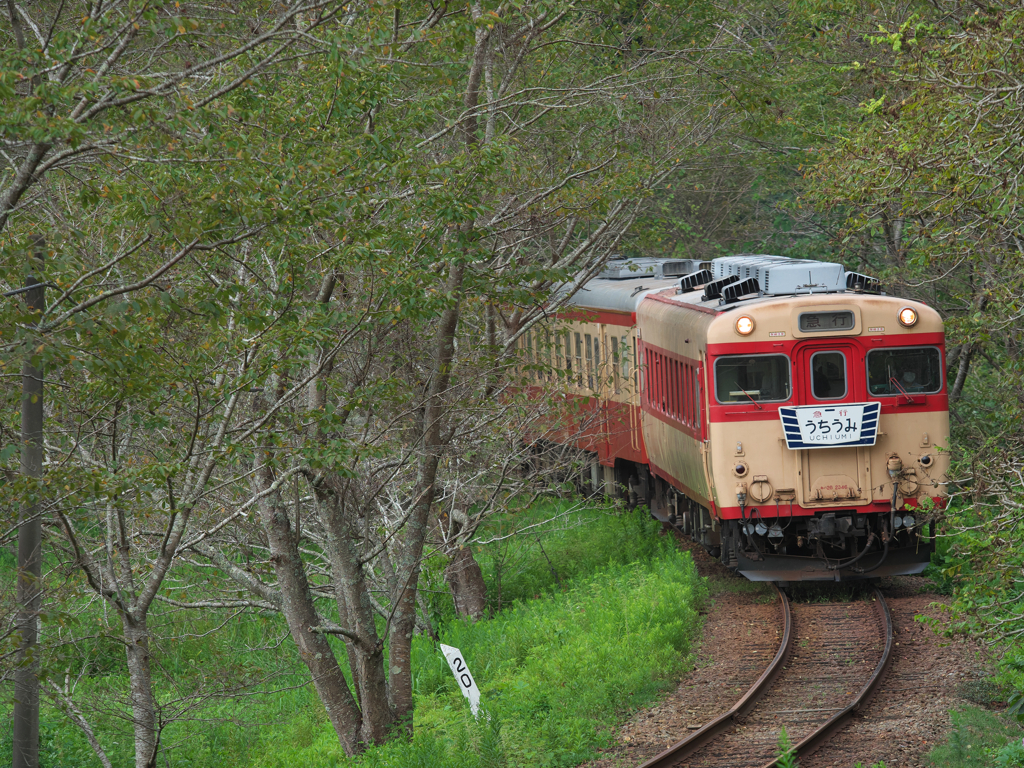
980, 557
557, 671
289, 252
570, 540
979, 738
240, 693
272, 695
290, 255
786, 752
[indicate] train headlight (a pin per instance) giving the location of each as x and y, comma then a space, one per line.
745, 325
908, 317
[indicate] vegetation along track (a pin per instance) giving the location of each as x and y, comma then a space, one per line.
831, 659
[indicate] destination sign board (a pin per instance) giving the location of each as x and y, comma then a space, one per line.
835, 426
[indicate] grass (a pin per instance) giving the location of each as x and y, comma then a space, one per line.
980, 739
594, 613
555, 542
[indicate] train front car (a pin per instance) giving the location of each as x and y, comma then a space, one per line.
827, 419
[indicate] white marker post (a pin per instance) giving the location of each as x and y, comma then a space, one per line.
466, 682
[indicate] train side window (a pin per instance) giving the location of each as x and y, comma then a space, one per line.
579, 361
746, 378
615, 363
651, 377
636, 368
590, 361
646, 380
828, 375
671, 368
904, 370
671, 386
696, 398
653, 380
597, 362
548, 356
677, 390
666, 377
681, 384
529, 354
659, 385
666, 384
687, 394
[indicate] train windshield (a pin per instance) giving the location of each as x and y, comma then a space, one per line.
905, 370
742, 378
828, 375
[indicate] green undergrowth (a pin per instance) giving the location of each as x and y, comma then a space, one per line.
547, 546
555, 673
596, 616
240, 678
980, 739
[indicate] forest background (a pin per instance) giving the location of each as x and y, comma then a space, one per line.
289, 250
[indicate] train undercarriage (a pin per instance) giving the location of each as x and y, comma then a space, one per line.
830, 545
769, 544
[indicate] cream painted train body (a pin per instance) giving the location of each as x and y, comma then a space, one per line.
783, 412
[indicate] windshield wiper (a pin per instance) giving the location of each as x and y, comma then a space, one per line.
895, 383
759, 407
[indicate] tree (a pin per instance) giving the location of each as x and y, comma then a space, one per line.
289, 278
89, 100
484, 213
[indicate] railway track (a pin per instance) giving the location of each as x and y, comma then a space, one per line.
831, 660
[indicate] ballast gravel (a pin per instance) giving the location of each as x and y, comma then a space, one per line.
929, 676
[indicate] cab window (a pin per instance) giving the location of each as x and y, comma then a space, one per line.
761, 378
904, 370
828, 375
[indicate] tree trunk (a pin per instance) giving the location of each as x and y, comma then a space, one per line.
303, 619
26, 675
366, 650
892, 228
147, 740
466, 582
964, 366
410, 556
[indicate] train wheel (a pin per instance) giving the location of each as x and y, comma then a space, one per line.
730, 546
633, 497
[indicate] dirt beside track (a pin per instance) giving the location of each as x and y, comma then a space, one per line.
909, 714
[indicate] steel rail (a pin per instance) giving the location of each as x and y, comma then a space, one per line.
810, 743
711, 730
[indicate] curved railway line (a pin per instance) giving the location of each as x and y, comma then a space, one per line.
830, 661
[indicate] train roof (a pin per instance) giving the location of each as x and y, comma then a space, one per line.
719, 285
618, 295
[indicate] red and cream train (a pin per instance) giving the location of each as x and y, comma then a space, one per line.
783, 412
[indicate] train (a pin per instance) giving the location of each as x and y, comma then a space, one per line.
785, 413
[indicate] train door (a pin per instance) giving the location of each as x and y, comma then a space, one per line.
631, 375
603, 382
702, 426
827, 374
